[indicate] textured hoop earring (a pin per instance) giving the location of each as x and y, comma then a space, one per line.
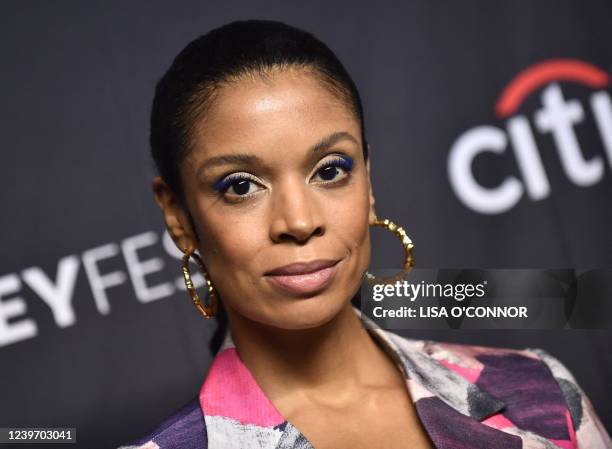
208, 311
408, 256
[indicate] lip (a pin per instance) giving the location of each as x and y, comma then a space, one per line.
302, 267
303, 277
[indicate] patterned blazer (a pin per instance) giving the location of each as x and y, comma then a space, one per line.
466, 396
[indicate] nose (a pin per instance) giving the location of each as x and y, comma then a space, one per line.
296, 213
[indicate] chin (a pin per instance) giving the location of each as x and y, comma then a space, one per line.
305, 313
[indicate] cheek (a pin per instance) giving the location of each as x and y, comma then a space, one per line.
350, 222
228, 245
232, 259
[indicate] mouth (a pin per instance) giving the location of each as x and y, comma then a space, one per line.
303, 278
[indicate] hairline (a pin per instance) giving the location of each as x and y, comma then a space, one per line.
203, 97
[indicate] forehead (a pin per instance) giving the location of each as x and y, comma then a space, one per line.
288, 110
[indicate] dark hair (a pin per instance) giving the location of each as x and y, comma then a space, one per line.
250, 48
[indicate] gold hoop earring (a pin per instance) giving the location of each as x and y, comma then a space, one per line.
208, 311
406, 243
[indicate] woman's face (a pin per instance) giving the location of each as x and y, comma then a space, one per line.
277, 177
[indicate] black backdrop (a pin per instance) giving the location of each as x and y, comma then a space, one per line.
95, 331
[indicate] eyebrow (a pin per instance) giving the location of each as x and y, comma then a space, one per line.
244, 158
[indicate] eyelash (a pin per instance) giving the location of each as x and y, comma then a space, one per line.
343, 162
224, 184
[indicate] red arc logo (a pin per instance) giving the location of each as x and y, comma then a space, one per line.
537, 75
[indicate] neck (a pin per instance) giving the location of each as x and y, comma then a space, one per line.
332, 360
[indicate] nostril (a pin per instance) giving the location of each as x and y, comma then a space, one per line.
302, 235
318, 231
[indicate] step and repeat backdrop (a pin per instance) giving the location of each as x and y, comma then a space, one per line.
491, 132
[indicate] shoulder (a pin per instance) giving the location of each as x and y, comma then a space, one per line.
185, 428
590, 432
531, 381
469, 359
479, 357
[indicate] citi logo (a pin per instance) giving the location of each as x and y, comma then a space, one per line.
557, 116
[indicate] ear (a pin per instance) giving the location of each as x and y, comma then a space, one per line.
175, 216
372, 216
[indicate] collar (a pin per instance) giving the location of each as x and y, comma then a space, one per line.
430, 369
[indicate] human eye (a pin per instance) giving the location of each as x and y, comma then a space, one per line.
334, 169
237, 186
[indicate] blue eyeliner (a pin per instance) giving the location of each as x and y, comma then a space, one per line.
345, 162
223, 184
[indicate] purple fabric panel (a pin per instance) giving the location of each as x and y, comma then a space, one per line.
450, 429
184, 429
534, 399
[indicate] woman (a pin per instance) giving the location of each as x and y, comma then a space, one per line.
258, 134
